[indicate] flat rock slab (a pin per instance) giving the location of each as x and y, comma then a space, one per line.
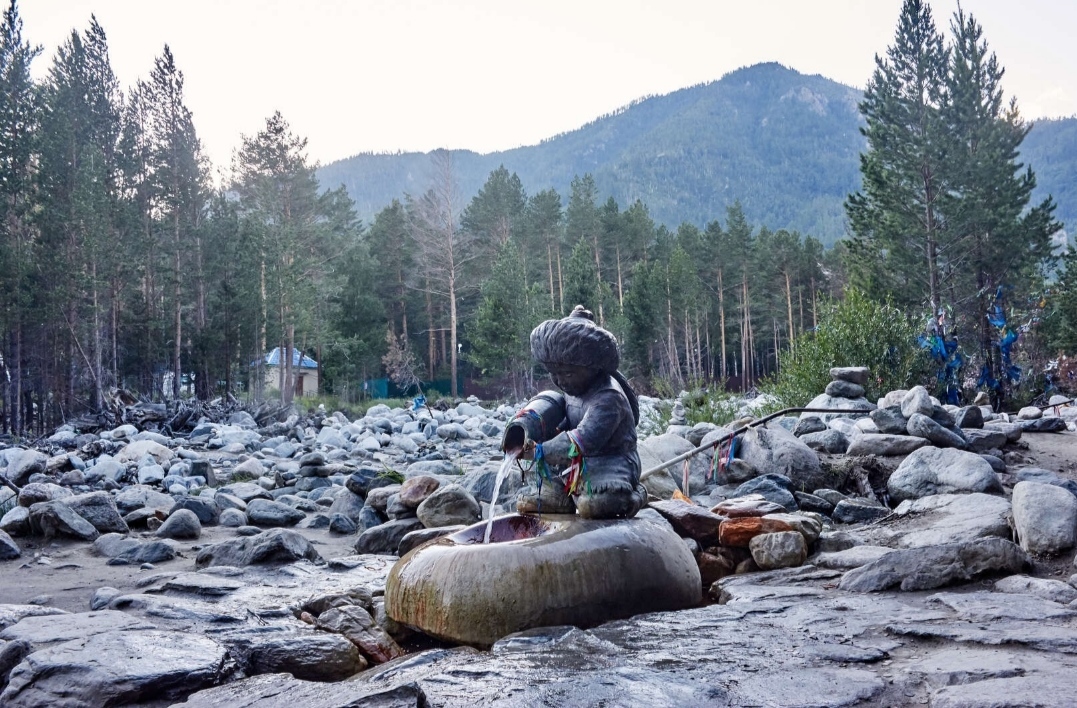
10, 614
936, 566
940, 519
115, 668
283, 691
46, 629
851, 558
992, 606
809, 687
1037, 635
1054, 689
203, 584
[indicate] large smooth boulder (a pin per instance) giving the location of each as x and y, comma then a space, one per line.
116, 668
773, 449
935, 566
181, 524
559, 570
1044, 517
890, 421
932, 470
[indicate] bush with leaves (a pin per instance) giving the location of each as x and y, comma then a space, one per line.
855, 331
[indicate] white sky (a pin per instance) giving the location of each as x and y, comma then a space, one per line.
386, 75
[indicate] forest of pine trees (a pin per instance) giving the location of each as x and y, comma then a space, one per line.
125, 266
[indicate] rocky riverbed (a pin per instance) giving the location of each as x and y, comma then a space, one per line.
246, 566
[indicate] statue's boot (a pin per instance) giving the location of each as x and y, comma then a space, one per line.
612, 503
550, 498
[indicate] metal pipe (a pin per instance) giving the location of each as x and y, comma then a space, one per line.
743, 429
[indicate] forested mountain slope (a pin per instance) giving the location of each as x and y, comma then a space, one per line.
785, 144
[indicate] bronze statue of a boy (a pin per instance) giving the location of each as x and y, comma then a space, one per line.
589, 463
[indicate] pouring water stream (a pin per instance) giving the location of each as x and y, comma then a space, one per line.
510, 457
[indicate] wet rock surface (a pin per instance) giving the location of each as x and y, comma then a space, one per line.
100, 609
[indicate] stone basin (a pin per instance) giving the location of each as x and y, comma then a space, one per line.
538, 572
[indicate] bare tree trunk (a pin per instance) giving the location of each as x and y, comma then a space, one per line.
98, 357
263, 333
721, 322
789, 309
814, 308
560, 282
177, 370
620, 282
431, 342
549, 263
453, 343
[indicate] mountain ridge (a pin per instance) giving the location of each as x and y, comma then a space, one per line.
784, 144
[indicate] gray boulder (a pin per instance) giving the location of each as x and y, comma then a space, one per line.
667, 446
890, 421
57, 519
262, 512
347, 503
857, 510
829, 441
269, 547
450, 505
16, 521
853, 374
313, 657
1044, 425
1044, 588
969, 417
925, 427
932, 470
984, 440
935, 566
9, 550
774, 488
917, 400
844, 389
29, 462
386, 538
1044, 517
183, 524
810, 424
205, 508
774, 449
99, 508
785, 549
884, 445
944, 518
233, 518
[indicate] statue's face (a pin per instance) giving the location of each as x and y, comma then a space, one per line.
572, 379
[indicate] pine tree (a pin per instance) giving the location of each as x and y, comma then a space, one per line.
18, 120
179, 191
898, 229
1001, 242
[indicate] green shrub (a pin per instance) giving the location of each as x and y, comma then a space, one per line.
711, 405
855, 331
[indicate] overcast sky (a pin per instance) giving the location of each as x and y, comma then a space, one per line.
386, 75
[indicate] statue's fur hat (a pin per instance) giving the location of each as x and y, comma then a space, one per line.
575, 339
